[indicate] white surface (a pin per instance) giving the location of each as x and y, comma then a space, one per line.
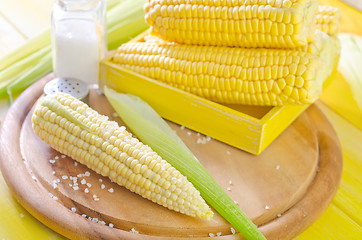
77, 50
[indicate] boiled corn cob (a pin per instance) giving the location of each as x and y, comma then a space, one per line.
76, 130
243, 23
236, 75
328, 18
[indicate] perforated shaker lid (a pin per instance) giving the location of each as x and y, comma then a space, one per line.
74, 87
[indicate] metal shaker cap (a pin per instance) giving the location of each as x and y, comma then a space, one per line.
74, 87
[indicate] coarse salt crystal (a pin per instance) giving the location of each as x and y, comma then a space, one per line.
110, 190
56, 157
182, 127
100, 180
211, 235
75, 164
87, 174
63, 156
65, 177
89, 185
229, 189
218, 234
111, 225
74, 209
228, 152
83, 181
53, 172
75, 188
189, 133
52, 161
277, 167
86, 190
279, 215
83, 215
103, 186
230, 182
232, 230
134, 231
267, 207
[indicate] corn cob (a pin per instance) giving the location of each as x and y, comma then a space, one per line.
328, 18
76, 130
246, 23
236, 75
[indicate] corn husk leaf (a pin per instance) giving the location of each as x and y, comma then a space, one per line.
150, 131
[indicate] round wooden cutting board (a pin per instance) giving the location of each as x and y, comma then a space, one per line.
283, 190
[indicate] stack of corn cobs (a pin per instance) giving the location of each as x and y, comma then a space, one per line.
256, 52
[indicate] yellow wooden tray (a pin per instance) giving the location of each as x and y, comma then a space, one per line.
250, 128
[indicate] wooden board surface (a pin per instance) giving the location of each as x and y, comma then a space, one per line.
296, 177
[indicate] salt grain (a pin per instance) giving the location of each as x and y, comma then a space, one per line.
83, 215
83, 181
87, 174
75, 164
103, 186
56, 157
134, 231
111, 225
53, 172
228, 152
74, 209
230, 182
267, 207
218, 234
52, 161
110, 190
100, 180
232, 230
277, 167
182, 127
211, 235
228, 188
279, 215
189, 133
65, 177
75, 188
86, 190
63, 156
89, 185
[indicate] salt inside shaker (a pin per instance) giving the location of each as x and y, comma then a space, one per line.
78, 39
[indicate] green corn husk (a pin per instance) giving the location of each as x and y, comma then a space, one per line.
33, 45
41, 69
140, 118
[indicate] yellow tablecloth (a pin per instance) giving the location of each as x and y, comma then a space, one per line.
21, 20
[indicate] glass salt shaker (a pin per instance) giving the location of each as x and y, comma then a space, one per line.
78, 39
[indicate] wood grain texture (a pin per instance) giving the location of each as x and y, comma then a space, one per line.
295, 190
